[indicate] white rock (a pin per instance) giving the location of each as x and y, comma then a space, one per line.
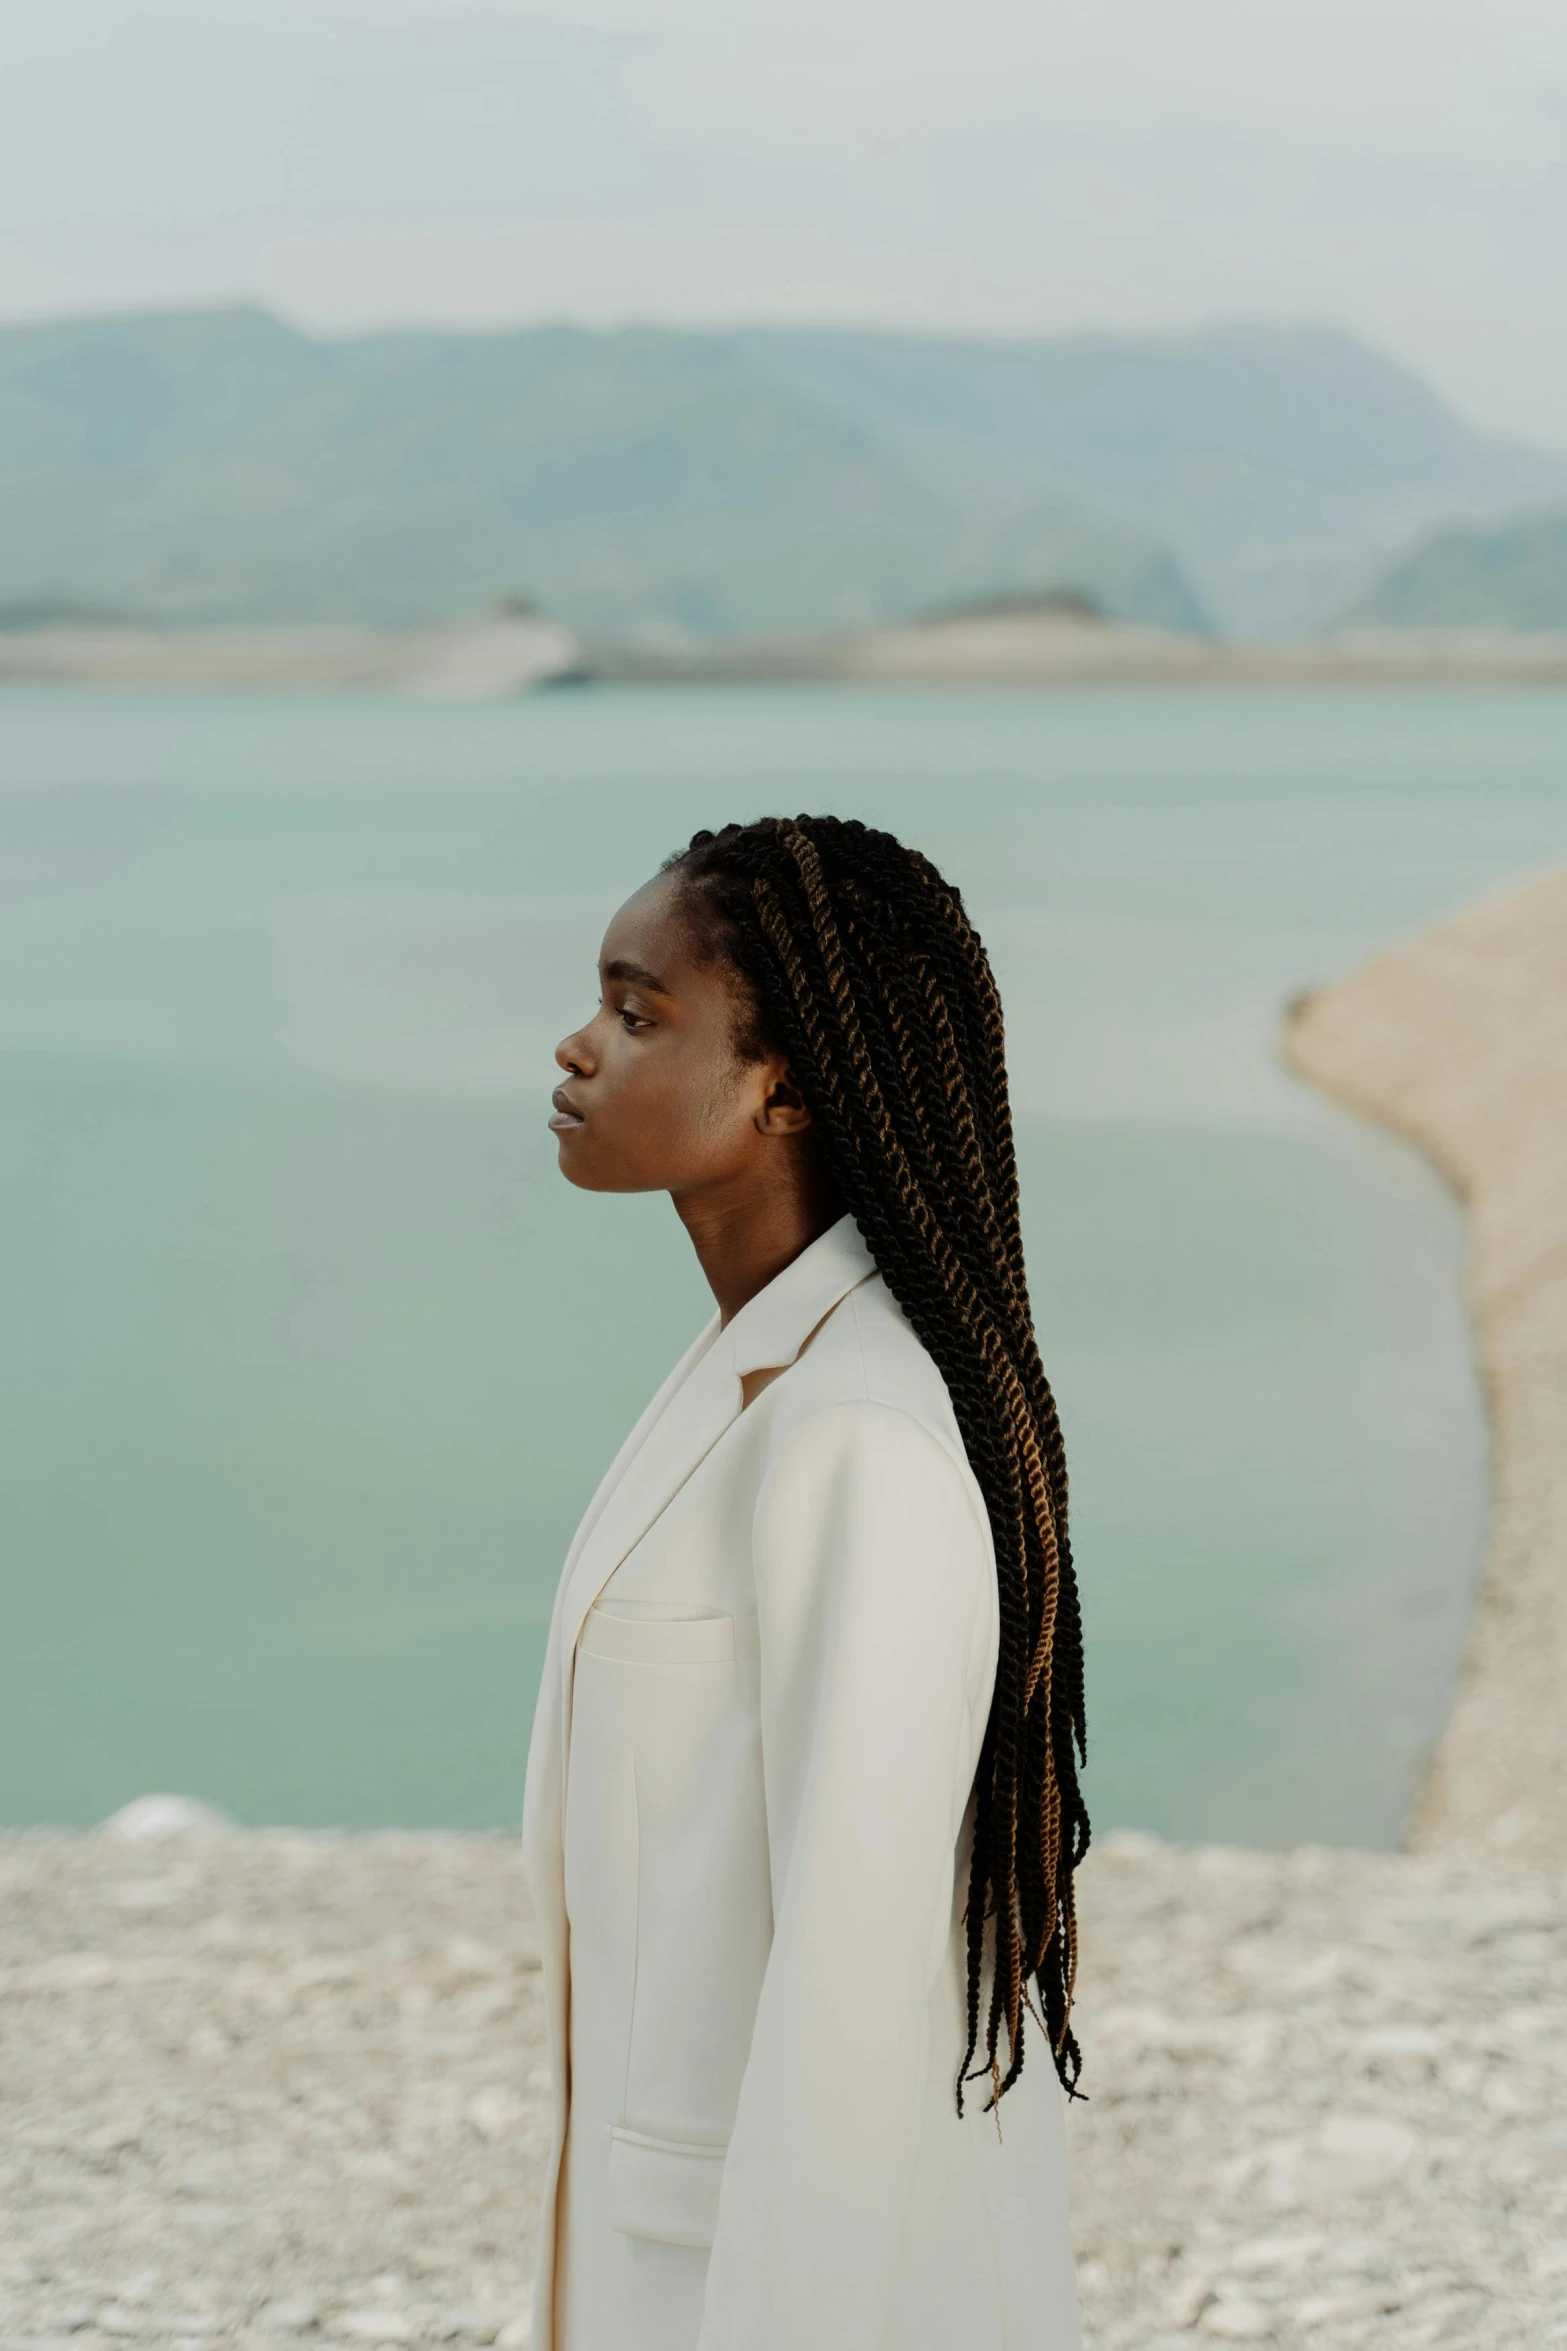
1361, 2256
1319, 2310
153, 1820
68, 1971
1318, 1973
1262, 2254
374, 2326
1234, 2321
1186, 2300
1156, 2030
494, 2112
1284, 2174
516, 2335
470, 1957
1350, 2155
288, 2318
210, 2216
1401, 2040
1364, 2150
151, 1894
180, 2326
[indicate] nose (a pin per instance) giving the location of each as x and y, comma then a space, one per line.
575, 1056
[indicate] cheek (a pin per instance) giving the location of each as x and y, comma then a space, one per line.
660, 1121
686, 1116
719, 1107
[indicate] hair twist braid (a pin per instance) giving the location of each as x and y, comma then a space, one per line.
860, 963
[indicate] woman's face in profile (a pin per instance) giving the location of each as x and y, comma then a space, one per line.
656, 1096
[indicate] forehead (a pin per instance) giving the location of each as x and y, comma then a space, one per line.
653, 931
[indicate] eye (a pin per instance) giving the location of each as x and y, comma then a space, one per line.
632, 1020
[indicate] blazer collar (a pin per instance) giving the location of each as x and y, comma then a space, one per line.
768, 1333
695, 1407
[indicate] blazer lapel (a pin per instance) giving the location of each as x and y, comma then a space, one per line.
631, 1448
547, 1746
691, 1418
697, 1403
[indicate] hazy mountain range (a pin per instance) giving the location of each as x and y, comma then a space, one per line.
221, 466
1511, 576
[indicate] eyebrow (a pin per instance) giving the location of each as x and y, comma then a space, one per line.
636, 974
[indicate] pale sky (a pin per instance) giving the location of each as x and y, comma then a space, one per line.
1395, 166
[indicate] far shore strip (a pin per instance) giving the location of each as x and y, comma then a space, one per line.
1457, 1040
505, 654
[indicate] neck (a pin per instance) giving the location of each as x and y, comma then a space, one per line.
744, 1235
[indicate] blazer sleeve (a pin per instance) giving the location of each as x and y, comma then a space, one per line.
876, 1603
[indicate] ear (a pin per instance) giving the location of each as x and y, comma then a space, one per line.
783, 1110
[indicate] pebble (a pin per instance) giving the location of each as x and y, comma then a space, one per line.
292, 2089
372, 2326
1237, 2322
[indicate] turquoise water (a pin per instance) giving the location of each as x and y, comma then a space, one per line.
309, 1361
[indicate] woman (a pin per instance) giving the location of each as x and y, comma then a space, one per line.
802, 1810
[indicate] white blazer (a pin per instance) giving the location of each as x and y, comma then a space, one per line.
767, 1681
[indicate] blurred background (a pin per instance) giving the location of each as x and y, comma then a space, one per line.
450, 449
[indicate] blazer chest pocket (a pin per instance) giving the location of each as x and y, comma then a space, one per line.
647, 1635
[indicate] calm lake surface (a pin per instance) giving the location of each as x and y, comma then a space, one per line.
310, 1361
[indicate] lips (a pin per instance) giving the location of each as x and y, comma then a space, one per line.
564, 1118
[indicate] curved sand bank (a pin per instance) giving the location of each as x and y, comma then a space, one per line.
1458, 1041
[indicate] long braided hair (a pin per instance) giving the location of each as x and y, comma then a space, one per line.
859, 962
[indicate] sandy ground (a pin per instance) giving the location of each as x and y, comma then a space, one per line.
273, 2089
476, 661
1458, 1041
485, 659
1024, 650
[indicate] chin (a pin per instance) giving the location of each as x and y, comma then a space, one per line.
592, 1172
576, 1169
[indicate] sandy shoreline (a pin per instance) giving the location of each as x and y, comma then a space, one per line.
493, 659
483, 661
1457, 1040
1041, 651
277, 2089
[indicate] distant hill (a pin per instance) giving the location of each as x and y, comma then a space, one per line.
1513, 576
220, 466
1281, 465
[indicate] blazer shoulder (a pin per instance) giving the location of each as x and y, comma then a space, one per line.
867, 1353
